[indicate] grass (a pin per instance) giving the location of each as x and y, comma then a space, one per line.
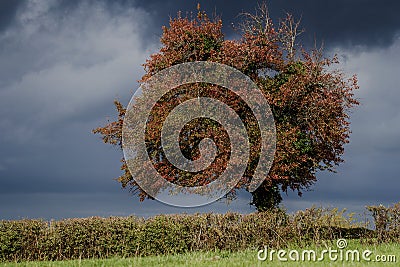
224, 258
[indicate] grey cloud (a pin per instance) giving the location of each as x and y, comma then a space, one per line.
62, 66
376, 123
59, 74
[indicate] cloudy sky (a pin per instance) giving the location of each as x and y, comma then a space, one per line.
62, 63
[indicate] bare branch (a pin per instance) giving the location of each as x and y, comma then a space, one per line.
289, 30
258, 23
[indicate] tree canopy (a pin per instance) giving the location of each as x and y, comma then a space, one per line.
309, 99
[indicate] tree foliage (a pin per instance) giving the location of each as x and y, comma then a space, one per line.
310, 101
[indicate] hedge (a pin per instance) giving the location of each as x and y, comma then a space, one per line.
97, 237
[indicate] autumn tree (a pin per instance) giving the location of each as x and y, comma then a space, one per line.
309, 100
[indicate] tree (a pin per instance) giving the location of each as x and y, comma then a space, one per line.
309, 101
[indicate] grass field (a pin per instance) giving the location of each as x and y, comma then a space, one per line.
244, 258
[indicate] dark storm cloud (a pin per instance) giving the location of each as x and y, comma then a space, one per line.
346, 23
350, 23
70, 160
112, 203
59, 73
8, 10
